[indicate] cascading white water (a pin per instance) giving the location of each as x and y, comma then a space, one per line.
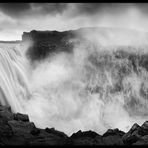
89, 89
13, 81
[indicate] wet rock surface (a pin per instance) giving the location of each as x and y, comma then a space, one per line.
16, 129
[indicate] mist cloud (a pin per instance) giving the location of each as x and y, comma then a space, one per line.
19, 9
14, 9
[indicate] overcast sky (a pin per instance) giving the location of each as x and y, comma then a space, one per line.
15, 18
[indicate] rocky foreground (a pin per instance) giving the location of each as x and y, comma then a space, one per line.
16, 129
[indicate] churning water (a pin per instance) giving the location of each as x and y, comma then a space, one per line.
94, 88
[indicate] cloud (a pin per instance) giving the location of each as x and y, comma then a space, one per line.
21, 17
50, 8
77, 9
14, 9
21, 10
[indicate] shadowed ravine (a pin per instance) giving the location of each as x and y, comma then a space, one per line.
87, 79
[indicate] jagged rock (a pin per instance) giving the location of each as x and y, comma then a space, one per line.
84, 134
113, 132
58, 133
21, 117
132, 135
16, 129
144, 129
113, 137
86, 138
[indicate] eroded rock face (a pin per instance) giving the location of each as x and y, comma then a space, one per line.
16, 129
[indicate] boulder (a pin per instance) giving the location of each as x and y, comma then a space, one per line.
21, 117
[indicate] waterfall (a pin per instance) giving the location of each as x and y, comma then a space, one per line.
93, 88
13, 81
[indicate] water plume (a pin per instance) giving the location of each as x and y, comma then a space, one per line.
95, 87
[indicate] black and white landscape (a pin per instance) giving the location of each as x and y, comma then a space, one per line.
73, 74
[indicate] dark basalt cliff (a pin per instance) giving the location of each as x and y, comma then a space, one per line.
46, 42
16, 129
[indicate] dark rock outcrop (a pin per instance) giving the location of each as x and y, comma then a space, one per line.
44, 43
21, 117
113, 137
16, 129
132, 135
86, 138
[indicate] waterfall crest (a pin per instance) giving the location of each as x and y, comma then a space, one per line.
13, 81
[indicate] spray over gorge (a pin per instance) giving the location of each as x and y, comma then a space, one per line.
73, 73
101, 82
